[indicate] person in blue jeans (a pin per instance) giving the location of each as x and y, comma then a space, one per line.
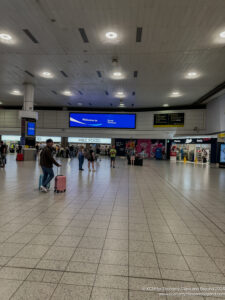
81, 158
46, 162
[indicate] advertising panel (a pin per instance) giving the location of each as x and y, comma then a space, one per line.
97, 120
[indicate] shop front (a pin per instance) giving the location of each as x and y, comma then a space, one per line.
198, 150
146, 148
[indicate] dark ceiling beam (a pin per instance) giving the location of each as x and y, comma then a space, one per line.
113, 109
210, 94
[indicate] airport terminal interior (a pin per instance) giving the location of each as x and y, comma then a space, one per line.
112, 149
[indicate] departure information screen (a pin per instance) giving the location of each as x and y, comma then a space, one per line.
89, 120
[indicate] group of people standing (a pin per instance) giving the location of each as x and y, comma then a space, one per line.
92, 156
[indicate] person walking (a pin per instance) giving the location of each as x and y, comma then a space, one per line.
91, 160
81, 158
46, 162
3, 150
112, 154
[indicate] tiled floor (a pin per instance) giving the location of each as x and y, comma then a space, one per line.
116, 234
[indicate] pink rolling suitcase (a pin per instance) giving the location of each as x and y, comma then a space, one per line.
60, 184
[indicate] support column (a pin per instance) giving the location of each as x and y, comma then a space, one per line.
64, 141
28, 117
28, 102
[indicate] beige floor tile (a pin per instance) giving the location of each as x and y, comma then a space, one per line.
171, 274
144, 283
116, 244
59, 253
186, 239
36, 275
34, 290
138, 295
141, 246
21, 238
8, 288
10, 249
106, 293
14, 273
153, 273
91, 243
216, 252
167, 248
32, 251
203, 264
209, 277
120, 270
87, 255
78, 278
44, 239
116, 282
23, 262
114, 257
193, 250
140, 259
82, 267
169, 261
162, 237
56, 265
71, 292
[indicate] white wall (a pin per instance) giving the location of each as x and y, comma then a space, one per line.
56, 123
216, 115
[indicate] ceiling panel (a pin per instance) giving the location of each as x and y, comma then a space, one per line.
179, 36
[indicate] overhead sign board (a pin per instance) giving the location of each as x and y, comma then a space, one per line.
169, 120
84, 140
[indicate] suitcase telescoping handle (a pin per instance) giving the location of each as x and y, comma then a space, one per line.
58, 168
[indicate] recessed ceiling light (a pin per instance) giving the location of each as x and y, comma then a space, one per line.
111, 35
79, 104
16, 92
222, 34
192, 75
117, 74
175, 94
120, 95
47, 74
67, 93
165, 105
1, 103
5, 36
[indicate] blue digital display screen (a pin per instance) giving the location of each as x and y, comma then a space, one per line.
222, 153
30, 129
89, 120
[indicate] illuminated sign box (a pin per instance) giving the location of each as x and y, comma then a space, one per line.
84, 140
97, 120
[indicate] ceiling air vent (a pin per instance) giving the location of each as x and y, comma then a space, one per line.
135, 74
29, 73
83, 35
63, 73
30, 35
139, 34
54, 92
99, 74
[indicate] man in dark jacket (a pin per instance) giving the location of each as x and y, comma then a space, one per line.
46, 162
